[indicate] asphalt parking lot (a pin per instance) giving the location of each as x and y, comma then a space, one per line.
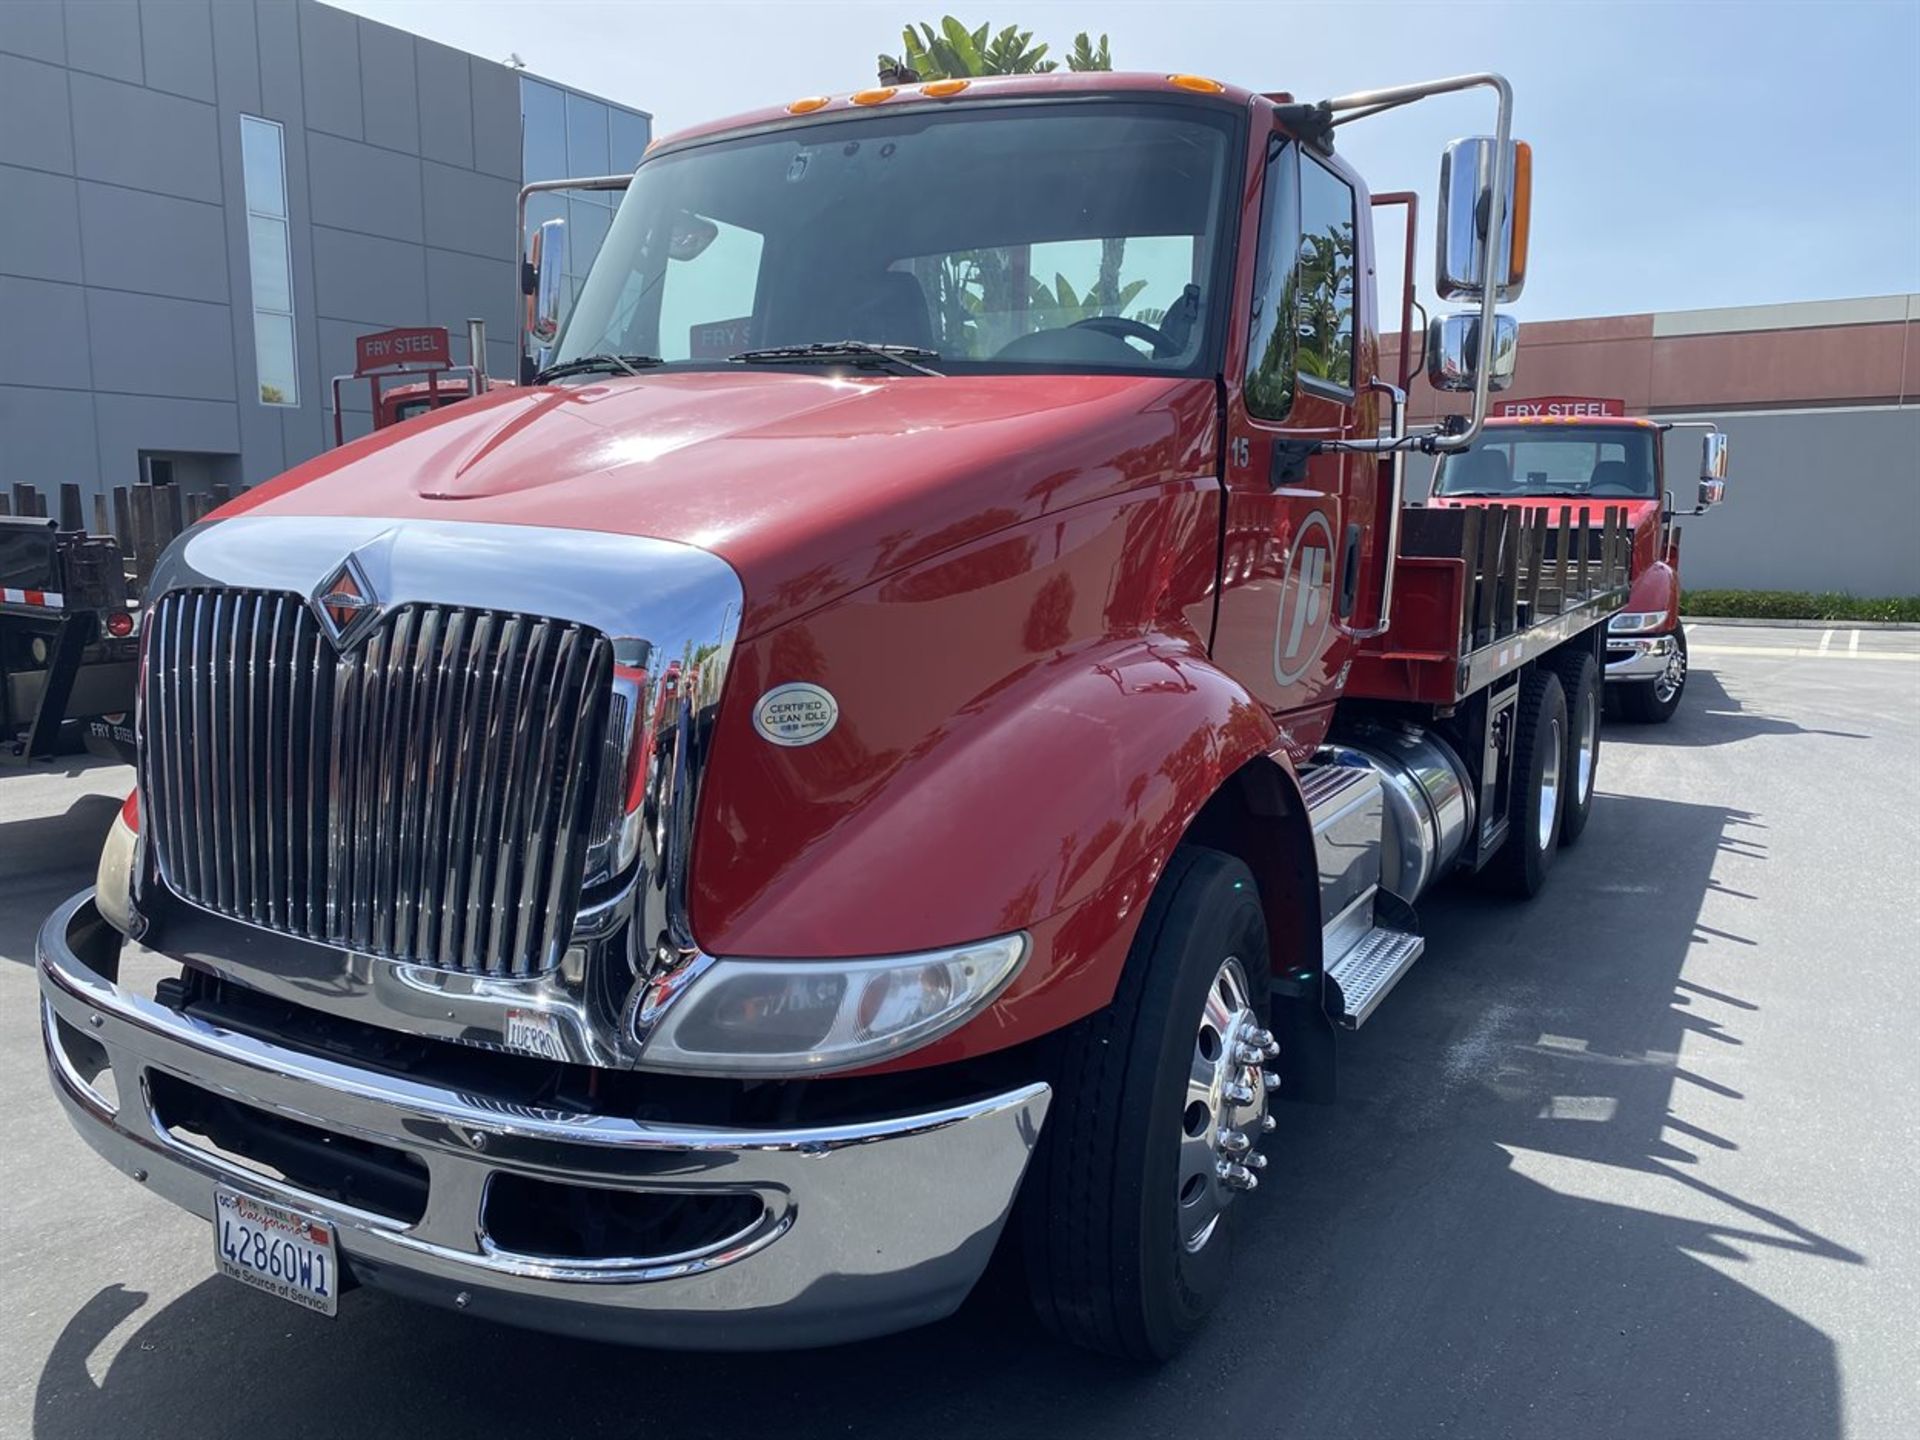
1637, 1159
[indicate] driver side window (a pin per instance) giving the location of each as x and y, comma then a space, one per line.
1302, 327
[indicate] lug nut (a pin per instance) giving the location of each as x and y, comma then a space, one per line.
1269, 1079
1235, 1142
1238, 1177
1268, 1124
1255, 1161
1247, 1053
1239, 1094
1264, 1039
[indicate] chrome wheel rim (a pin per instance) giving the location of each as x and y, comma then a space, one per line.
1225, 1112
1586, 746
1550, 785
1672, 678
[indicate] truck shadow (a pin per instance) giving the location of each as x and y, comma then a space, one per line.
1710, 714
40, 860
1431, 1255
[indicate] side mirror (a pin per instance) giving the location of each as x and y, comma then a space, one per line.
549, 262
1712, 492
1453, 343
1713, 456
1466, 263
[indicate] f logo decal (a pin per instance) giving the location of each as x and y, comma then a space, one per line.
1306, 600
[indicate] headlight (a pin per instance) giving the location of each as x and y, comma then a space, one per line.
807, 1017
113, 878
1633, 622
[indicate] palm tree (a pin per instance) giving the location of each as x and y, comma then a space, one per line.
953, 52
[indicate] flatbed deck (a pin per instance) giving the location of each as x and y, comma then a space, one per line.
1483, 590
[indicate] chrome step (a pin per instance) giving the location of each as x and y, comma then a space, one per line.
1364, 975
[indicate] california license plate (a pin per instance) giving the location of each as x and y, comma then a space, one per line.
276, 1250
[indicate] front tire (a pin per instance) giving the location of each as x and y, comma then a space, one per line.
1537, 809
1653, 702
1159, 1103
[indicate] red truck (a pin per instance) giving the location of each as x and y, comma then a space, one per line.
921, 723
420, 359
1575, 457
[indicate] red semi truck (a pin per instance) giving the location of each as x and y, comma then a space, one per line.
1583, 456
917, 728
420, 359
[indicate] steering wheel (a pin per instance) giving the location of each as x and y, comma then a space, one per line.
1121, 327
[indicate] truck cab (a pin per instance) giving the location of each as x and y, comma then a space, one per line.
923, 720
1586, 462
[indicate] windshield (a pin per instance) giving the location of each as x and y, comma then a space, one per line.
1610, 462
1065, 237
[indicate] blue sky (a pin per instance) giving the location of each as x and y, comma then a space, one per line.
1686, 155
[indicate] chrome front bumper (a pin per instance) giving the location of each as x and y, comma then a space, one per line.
864, 1228
1638, 657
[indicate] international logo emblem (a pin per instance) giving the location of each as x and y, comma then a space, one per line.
346, 604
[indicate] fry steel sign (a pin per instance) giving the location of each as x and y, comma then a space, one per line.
424, 346
1559, 407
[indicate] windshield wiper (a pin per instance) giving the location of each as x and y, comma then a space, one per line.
899, 358
1478, 495
598, 364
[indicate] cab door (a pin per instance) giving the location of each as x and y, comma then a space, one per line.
1297, 535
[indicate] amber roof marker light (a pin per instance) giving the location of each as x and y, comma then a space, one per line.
807, 104
1199, 84
874, 97
943, 89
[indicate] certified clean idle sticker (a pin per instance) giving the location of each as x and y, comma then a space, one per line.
795, 714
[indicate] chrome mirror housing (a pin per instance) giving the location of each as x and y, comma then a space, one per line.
1713, 460
1453, 343
548, 260
1712, 492
1465, 263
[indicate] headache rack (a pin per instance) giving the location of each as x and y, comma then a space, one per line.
1482, 589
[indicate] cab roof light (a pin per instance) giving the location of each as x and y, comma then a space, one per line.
941, 89
806, 105
1200, 84
874, 97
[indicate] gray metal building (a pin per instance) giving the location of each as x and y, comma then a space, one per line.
202, 203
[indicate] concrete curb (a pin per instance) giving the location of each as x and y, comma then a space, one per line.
1800, 624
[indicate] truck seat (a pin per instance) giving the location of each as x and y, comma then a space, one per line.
1481, 470
892, 310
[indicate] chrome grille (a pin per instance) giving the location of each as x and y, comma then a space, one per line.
423, 797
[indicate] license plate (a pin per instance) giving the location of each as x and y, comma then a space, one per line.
276, 1250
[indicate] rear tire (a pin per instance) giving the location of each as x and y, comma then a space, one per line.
1653, 702
1580, 678
1109, 1213
1539, 756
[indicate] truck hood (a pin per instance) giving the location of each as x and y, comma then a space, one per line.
808, 484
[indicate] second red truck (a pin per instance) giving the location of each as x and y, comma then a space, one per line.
1574, 459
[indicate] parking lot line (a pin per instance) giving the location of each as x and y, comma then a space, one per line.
1805, 652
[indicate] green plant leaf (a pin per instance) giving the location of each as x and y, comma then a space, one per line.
960, 42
